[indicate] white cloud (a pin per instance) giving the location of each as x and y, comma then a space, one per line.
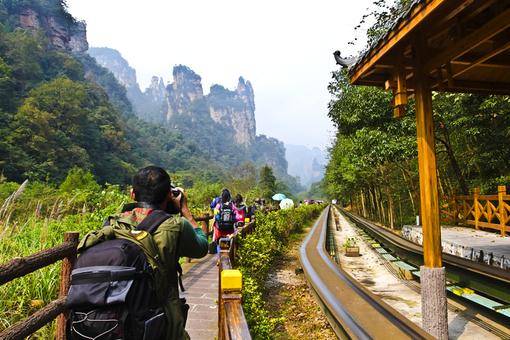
283, 47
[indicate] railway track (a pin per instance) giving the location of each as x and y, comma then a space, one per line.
490, 281
481, 316
353, 311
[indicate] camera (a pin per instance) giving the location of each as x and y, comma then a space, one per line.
171, 208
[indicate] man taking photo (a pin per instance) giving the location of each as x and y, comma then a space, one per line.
125, 284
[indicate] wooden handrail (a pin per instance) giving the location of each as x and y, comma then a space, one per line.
22, 266
480, 211
66, 252
24, 328
25, 265
232, 324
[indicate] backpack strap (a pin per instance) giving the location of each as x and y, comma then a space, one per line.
150, 224
153, 221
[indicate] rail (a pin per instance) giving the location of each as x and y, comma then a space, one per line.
489, 280
480, 211
56, 309
232, 323
352, 310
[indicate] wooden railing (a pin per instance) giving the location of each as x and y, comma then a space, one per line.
19, 267
56, 309
480, 211
232, 323
206, 228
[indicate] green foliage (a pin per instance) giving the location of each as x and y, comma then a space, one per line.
52, 119
63, 124
373, 161
267, 182
79, 179
37, 220
257, 253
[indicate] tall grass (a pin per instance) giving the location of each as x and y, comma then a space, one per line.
35, 216
34, 220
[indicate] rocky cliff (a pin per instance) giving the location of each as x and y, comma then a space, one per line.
235, 110
183, 92
221, 122
61, 30
149, 104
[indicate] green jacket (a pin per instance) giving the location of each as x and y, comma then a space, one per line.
173, 239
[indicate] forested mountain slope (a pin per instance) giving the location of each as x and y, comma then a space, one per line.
60, 109
221, 122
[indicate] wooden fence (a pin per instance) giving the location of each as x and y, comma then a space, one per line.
56, 309
480, 211
66, 252
232, 323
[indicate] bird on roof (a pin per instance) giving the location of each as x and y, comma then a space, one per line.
344, 62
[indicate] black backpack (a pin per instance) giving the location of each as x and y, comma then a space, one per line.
113, 291
227, 217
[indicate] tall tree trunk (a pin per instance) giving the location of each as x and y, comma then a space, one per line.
381, 207
463, 187
372, 203
390, 208
410, 189
362, 196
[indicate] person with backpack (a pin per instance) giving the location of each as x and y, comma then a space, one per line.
125, 283
241, 209
225, 217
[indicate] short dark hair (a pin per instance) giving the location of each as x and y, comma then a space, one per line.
225, 196
238, 199
151, 184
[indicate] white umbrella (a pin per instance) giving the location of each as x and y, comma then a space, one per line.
286, 204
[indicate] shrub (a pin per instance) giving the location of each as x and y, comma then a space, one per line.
257, 253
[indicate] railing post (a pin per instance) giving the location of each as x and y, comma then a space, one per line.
455, 211
502, 210
65, 282
476, 194
220, 302
230, 291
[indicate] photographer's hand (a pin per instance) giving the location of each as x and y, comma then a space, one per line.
181, 202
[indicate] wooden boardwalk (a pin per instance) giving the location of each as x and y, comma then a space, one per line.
201, 283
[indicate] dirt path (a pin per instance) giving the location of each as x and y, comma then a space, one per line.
289, 297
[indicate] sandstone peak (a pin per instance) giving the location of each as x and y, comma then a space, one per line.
61, 29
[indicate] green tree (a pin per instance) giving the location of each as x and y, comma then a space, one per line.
79, 179
63, 124
267, 182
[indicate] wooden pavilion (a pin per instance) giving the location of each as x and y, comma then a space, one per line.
438, 45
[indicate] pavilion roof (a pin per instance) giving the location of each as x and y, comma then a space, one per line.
466, 42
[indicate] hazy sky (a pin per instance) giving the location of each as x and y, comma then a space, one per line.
283, 47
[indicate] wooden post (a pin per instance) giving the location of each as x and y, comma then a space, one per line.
501, 207
220, 303
429, 199
205, 226
65, 283
455, 210
476, 194
433, 275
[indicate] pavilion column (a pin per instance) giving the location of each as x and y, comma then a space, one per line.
433, 278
